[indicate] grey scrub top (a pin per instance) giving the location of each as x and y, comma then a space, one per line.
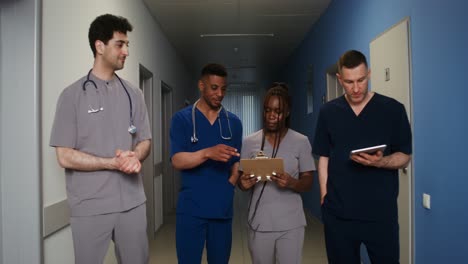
100, 134
279, 209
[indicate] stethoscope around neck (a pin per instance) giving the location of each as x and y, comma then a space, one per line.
132, 129
194, 138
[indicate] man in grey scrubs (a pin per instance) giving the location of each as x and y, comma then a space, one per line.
101, 134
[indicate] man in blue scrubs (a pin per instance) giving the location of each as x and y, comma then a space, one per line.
359, 192
205, 145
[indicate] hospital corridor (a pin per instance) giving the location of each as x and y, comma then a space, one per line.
162, 248
90, 123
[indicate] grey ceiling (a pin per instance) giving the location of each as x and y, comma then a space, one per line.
183, 21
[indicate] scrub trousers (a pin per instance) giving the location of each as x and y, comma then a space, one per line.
193, 232
92, 235
284, 247
343, 238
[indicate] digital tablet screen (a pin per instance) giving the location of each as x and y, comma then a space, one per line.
369, 150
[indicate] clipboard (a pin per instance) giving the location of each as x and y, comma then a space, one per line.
262, 168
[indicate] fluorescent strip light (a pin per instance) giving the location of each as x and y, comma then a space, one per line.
237, 35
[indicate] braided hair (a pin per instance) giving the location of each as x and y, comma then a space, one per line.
280, 90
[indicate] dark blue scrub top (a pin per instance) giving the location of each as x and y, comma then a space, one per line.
355, 191
205, 190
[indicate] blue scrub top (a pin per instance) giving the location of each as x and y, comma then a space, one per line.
355, 191
205, 190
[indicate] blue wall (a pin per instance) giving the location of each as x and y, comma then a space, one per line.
439, 46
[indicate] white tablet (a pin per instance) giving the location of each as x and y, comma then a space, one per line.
369, 150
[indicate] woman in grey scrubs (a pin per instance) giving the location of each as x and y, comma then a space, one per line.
276, 217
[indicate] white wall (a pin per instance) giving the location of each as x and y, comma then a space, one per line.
19, 138
67, 57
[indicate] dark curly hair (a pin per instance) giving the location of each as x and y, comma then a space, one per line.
213, 69
103, 28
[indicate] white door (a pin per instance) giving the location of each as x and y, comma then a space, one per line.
334, 89
391, 76
170, 179
146, 85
